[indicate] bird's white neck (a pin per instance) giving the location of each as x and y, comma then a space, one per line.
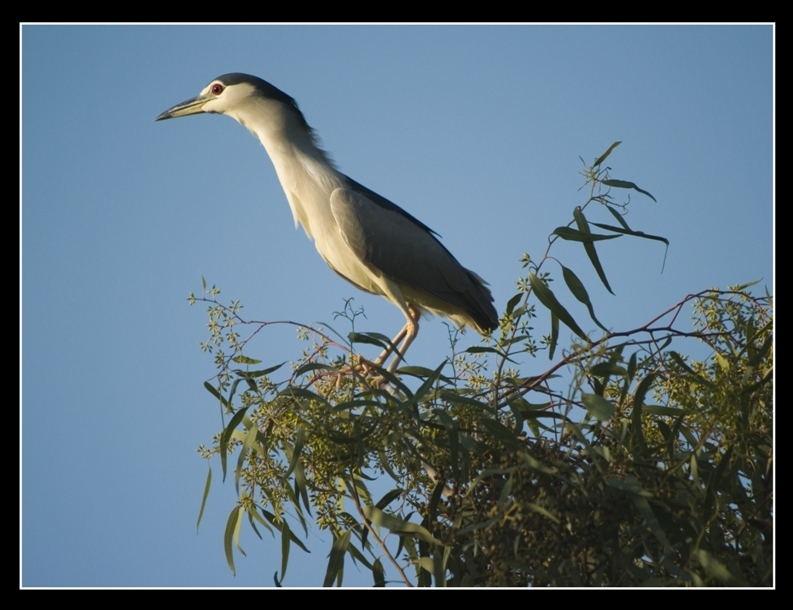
302, 167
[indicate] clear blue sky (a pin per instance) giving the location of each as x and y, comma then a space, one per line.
474, 130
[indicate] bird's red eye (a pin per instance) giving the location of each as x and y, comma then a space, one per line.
217, 89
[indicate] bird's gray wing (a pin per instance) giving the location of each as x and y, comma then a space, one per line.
389, 240
385, 203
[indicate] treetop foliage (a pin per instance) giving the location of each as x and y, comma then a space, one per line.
625, 462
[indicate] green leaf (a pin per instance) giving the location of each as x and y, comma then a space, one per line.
354, 438
598, 407
641, 234
266, 371
618, 217
245, 360
420, 372
454, 397
678, 359
554, 335
440, 559
297, 541
479, 525
204, 498
761, 353
713, 566
638, 406
435, 498
569, 234
249, 442
642, 389
386, 464
209, 388
313, 366
397, 525
357, 556
714, 481
543, 511
426, 564
336, 560
260, 373
237, 528
388, 498
297, 392
254, 514
547, 298
378, 573
625, 184
394, 381
651, 520
665, 411
632, 366
302, 486
479, 349
300, 439
580, 293
606, 369
502, 433
541, 414
625, 230
378, 339
279, 526
286, 535
583, 226
630, 485
450, 426
423, 389
605, 155
224, 438
232, 392
355, 404
228, 536
514, 301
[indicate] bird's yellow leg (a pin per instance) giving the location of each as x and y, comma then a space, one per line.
399, 345
394, 343
410, 331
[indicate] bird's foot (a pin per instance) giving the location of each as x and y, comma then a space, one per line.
365, 373
368, 374
381, 383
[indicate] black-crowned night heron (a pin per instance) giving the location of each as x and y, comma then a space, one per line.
366, 239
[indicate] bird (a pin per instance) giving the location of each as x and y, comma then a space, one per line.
365, 238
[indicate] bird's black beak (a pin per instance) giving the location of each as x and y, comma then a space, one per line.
193, 106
